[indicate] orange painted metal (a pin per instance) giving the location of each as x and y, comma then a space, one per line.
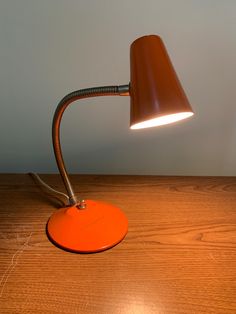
154, 86
98, 227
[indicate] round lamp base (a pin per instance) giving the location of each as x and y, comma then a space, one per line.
96, 228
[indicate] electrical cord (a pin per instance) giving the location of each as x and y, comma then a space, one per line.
37, 177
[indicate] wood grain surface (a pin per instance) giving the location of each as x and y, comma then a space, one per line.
178, 257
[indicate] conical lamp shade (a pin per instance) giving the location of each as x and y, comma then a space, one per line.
157, 97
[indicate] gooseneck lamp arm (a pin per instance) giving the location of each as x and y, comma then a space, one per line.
121, 90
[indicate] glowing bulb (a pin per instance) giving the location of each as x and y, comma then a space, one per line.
170, 118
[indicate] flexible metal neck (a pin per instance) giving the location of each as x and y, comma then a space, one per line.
121, 90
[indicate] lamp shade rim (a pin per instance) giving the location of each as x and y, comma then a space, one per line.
162, 120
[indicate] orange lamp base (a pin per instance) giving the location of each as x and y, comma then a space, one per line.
96, 228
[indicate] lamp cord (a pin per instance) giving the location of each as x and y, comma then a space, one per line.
37, 177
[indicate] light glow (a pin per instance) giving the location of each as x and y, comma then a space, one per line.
170, 118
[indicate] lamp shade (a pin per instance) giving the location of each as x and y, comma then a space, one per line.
157, 97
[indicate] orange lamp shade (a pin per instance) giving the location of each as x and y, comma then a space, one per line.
157, 97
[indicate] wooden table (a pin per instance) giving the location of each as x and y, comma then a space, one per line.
178, 257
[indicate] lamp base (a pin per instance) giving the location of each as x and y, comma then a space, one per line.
96, 228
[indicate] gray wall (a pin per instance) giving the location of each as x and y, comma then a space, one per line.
49, 48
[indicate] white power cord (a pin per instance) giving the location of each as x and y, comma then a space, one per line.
36, 176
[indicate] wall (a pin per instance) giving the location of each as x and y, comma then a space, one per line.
49, 48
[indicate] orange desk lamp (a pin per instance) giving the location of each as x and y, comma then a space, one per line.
157, 98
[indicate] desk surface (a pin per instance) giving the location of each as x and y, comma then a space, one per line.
178, 257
